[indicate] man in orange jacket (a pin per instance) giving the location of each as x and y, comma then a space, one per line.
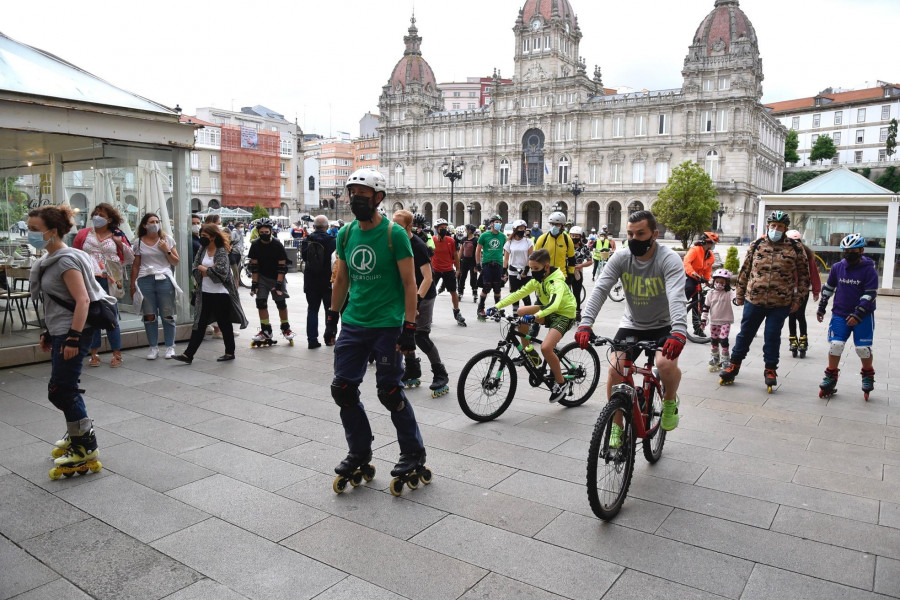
698, 264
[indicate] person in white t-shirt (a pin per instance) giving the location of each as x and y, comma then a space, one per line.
154, 284
515, 259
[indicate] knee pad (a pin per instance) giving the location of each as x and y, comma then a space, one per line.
836, 348
345, 393
497, 286
280, 303
393, 399
262, 303
61, 398
864, 351
723, 342
149, 318
423, 341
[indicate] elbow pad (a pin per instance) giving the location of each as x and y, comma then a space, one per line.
570, 261
253, 267
281, 268
827, 292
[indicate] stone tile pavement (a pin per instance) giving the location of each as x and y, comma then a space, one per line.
217, 485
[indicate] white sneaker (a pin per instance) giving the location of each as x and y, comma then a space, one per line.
170, 352
154, 352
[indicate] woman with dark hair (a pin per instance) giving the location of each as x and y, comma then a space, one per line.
64, 276
152, 283
216, 296
109, 252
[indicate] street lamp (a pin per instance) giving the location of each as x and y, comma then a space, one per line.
556, 207
576, 189
470, 208
413, 208
337, 194
721, 214
453, 172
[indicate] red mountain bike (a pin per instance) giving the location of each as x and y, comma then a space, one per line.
637, 410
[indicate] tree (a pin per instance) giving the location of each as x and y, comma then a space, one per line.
259, 212
891, 144
791, 143
687, 203
823, 149
731, 260
12, 203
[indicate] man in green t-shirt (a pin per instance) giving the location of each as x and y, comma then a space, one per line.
489, 262
375, 264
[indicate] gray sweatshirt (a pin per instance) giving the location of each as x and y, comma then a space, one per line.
654, 290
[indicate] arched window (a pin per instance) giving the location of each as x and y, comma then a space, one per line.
563, 170
398, 176
504, 172
312, 183
712, 164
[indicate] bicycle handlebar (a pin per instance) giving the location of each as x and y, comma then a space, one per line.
624, 346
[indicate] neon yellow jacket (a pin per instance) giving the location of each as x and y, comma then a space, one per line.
553, 294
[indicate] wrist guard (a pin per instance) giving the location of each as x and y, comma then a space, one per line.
73, 334
72, 342
254, 287
407, 339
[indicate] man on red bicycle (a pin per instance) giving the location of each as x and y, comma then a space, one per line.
651, 276
698, 264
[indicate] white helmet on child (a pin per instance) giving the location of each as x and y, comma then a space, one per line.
576, 230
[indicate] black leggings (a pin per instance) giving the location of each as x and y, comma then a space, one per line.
577, 284
214, 308
798, 317
515, 284
467, 266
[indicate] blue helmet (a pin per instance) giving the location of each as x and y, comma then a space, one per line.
854, 240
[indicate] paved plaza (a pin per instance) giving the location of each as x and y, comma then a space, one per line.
217, 485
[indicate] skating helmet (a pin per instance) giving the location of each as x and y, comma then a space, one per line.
340, 222
369, 178
557, 218
440, 222
460, 231
519, 223
496, 218
854, 240
576, 230
418, 220
265, 222
722, 273
779, 216
709, 236
593, 230
794, 234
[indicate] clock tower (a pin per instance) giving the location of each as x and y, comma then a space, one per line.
547, 38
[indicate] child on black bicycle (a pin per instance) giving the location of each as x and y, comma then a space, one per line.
718, 312
555, 309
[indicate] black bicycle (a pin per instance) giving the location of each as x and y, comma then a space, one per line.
695, 311
487, 383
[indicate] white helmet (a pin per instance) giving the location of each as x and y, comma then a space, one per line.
519, 223
369, 178
557, 218
440, 222
461, 231
576, 230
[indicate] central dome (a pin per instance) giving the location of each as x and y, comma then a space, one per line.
548, 9
725, 25
412, 67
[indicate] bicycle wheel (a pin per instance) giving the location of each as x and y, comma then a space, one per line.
656, 435
486, 385
609, 469
617, 293
246, 276
583, 365
582, 294
697, 339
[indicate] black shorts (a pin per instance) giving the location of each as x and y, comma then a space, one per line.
491, 273
657, 335
449, 279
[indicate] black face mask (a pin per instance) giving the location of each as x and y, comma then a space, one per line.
639, 247
577, 241
266, 237
442, 232
362, 208
539, 275
518, 233
852, 258
204, 241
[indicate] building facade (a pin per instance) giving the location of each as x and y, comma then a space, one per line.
856, 120
521, 152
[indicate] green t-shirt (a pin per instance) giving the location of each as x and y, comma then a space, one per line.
492, 246
376, 288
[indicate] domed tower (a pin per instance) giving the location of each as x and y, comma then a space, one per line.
724, 55
547, 38
412, 89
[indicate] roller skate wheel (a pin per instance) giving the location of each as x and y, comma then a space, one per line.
412, 483
769, 388
253, 344
55, 474
866, 396
356, 478
291, 343
95, 466
425, 476
396, 486
802, 354
339, 485
369, 474
57, 452
68, 473
821, 393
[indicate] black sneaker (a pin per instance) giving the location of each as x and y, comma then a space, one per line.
183, 358
314, 344
558, 392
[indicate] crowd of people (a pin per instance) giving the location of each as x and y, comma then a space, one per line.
377, 280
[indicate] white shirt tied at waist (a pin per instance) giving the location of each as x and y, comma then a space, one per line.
156, 273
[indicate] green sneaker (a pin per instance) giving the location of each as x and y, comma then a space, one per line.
669, 420
615, 436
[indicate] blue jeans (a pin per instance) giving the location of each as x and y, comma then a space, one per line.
351, 355
113, 335
159, 299
62, 390
315, 299
751, 320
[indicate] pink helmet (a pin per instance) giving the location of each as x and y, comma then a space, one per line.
794, 234
722, 273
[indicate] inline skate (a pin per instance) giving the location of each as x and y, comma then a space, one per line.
80, 456
439, 386
771, 377
413, 372
263, 338
728, 374
459, 318
792, 340
828, 387
353, 470
803, 345
410, 470
868, 381
482, 316
725, 359
287, 333
714, 360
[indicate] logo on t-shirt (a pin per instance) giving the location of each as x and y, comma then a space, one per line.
363, 260
494, 244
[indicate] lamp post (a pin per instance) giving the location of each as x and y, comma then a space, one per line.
556, 207
470, 208
413, 208
453, 172
337, 194
721, 214
576, 189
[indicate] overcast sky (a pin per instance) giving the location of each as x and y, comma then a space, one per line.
324, 63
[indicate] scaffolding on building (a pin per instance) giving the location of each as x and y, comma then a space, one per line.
250, 167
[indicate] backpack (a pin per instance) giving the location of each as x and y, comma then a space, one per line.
316, 259
467, 248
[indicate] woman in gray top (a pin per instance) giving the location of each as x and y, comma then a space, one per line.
65, 273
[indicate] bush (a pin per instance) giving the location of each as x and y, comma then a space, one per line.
259, 212
890, 179
731, 260
792, 180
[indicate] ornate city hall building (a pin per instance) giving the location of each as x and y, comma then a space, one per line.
555, 129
